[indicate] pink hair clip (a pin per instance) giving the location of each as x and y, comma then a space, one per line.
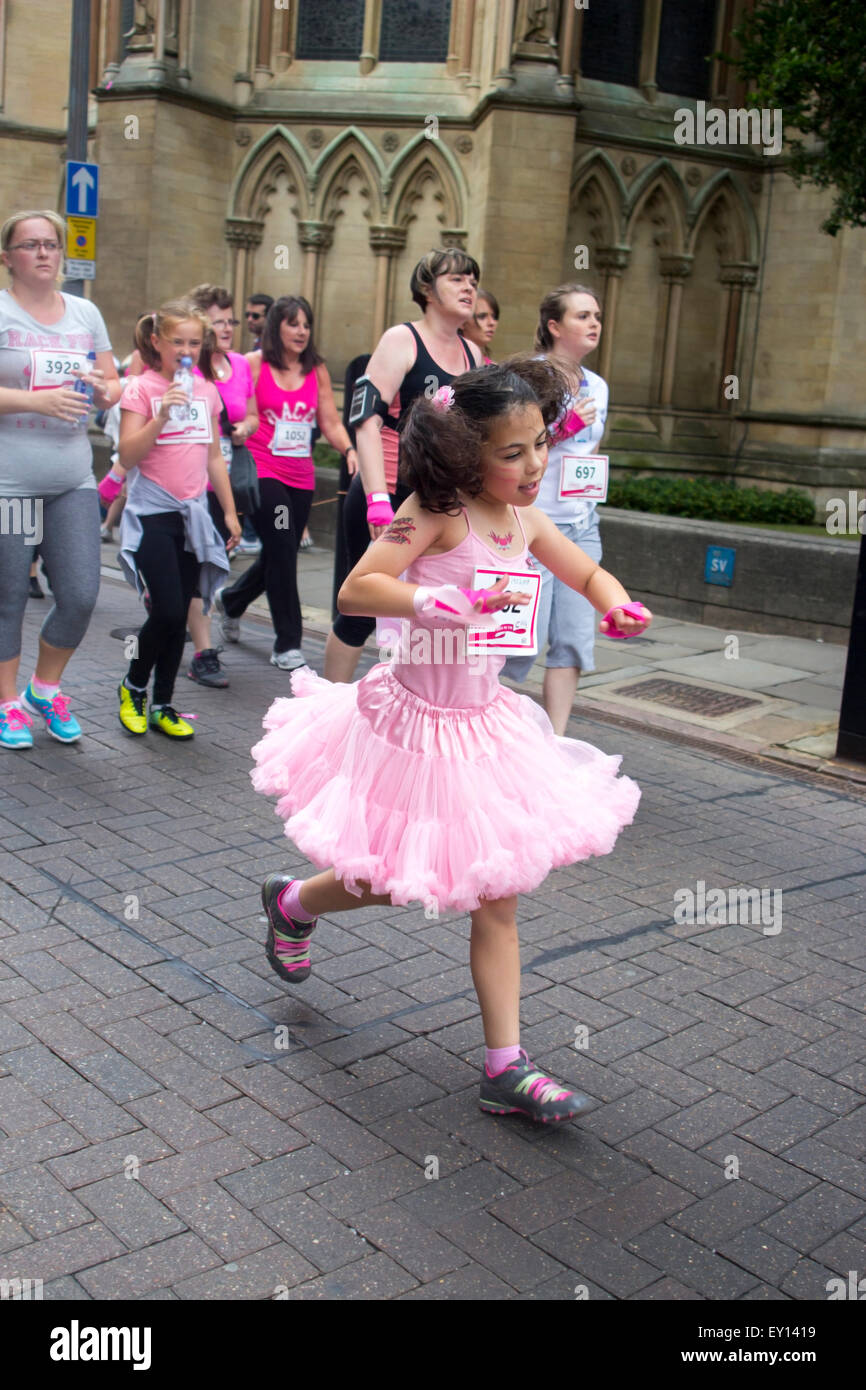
444, 398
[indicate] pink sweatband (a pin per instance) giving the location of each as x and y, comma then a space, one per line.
633, 610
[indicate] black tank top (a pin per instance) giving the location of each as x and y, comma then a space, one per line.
418, 378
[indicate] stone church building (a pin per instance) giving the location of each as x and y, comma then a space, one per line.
322, 146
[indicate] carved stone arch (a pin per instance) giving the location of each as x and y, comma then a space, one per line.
351, 144
596, 171
337, 188
731, 214
443, 160
658, 191
410, 188
279, 151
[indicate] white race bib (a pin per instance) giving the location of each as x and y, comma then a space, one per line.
584, 476
195, 430
55, 367
226, 451
292, 439
515, 629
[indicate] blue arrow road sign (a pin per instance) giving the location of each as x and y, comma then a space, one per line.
82, 189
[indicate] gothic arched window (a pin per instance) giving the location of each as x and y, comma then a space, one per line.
686, 40
414, 31
330, 29
610, 48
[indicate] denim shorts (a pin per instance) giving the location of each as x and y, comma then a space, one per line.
565, 617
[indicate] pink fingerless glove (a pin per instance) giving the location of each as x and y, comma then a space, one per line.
634, 610
379, 509
457, 604
110, 487
572, 424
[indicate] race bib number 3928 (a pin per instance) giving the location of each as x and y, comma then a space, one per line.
55, 367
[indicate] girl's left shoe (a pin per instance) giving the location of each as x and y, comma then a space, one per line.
58, 721
168, 721
524, 1090
293, 963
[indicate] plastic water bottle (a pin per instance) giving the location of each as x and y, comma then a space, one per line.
85, 388
183, 378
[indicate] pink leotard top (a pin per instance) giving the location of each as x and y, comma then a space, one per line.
437, 668
276, 404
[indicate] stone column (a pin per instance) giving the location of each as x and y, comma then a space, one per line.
738, 276
649, 48
464, 62
386, 243
264, 71
370, 40
112, 42
243, 235
567, 50
503, 77
612, 261
675, 271
285, 30
316, 239
184, 76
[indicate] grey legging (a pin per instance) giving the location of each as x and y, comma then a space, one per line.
68, 540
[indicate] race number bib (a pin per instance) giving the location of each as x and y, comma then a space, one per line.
226, 451
55, 367
516, 625
195, 430
292, 439
584, 476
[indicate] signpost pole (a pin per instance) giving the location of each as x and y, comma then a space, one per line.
79, 72
851, 743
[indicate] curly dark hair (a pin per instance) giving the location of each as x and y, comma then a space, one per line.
440, 451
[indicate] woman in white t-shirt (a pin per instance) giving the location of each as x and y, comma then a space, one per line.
569, 328
47, 488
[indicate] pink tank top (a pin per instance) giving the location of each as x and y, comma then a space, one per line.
276, 405
433, 660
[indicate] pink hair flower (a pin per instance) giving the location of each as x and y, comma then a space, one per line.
444, 398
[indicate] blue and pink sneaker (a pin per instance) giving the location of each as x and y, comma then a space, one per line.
524, 1090
288, 944
15, 727
58, 721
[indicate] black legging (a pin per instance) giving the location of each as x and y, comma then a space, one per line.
280, 520
356, 534
170, 573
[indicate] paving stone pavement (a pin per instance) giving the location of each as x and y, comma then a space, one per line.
175, 1124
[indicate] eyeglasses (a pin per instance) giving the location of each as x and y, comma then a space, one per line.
255, 316
224, 323
35, 245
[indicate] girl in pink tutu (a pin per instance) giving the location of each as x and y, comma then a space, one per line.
428, 781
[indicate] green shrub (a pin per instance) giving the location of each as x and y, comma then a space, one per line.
324, 456
709, 500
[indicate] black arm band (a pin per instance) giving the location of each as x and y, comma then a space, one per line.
366, 402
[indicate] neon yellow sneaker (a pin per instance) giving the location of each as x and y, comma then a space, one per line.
133, 704
168, 721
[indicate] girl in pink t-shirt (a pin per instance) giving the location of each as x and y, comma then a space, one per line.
166, 526
293, 395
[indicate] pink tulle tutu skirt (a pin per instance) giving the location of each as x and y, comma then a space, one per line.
439, 806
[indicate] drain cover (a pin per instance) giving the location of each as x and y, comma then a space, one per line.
694, 699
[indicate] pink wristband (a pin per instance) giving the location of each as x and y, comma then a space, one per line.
110, 487
379, 509
633, 610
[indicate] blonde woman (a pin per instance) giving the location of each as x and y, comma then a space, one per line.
46, 467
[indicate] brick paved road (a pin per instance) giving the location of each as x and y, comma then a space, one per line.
175, 1124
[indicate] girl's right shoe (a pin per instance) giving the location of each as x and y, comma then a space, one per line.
133, 709
293, 968
524, 1090
15, 726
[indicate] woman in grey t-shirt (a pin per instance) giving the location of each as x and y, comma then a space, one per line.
47, 489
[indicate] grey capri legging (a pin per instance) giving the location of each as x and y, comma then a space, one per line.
66, 529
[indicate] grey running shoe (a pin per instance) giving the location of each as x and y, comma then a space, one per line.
293, 962
522, 1089
230, 627
205, 668
290, 660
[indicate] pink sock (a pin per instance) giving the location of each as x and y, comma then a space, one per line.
45, 692
289, 902
496, 1059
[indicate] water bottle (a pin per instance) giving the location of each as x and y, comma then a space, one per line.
85, 388
183, 377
